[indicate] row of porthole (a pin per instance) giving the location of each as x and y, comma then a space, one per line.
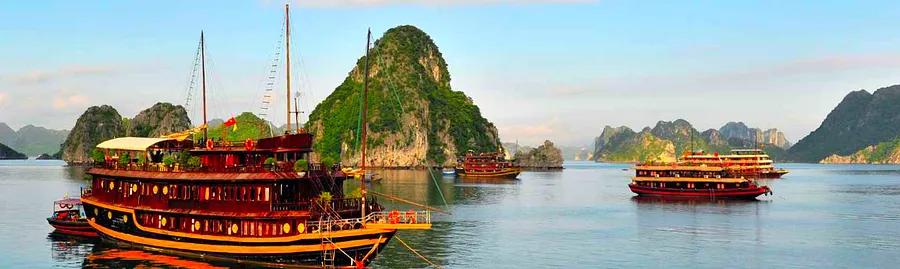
109, 215
134, 188
234, 227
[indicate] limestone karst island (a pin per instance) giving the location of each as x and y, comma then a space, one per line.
449, 134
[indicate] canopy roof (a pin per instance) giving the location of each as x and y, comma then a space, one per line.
132, 143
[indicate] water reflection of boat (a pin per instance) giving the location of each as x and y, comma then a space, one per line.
67, 249
69, 219
492, 181
104, 257
663, 200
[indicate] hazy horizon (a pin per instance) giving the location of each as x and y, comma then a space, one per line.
538, 69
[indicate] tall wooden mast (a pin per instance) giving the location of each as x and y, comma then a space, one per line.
287, 56
365, 125
203, 79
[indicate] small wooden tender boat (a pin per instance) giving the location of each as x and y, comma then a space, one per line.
68, 218
448, 171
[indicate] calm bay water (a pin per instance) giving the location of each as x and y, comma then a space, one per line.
819, 216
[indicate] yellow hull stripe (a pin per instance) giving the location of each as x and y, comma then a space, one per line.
338, 234
233, 249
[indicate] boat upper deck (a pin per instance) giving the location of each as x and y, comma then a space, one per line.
274, 158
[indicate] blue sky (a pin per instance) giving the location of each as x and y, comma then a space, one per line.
539, 69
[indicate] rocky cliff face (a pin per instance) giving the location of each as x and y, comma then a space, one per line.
415, 118
861, 119
681, 133
97, 124
545, 156
668, 138
714, 137
160, 119
740, 135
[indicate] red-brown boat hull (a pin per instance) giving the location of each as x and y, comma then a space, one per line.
743, 193
509, 173
77, 228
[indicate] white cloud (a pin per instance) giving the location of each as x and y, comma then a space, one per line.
40, 76
65, 100
2, 97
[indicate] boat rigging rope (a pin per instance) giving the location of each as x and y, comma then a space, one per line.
192, 81
438, 187
416, 252
395, 198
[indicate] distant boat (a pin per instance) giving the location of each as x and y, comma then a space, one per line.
448, 171
743, 162
487, 165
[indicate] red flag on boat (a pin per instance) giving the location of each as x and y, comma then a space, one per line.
230, 122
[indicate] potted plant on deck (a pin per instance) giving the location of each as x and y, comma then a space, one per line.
301, 166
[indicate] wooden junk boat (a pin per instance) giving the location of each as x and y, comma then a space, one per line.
487, 165
744, 162
69, 219
229, 200
693, 181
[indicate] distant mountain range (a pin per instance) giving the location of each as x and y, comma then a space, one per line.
863, 128
7, 153
669, 138
32, 140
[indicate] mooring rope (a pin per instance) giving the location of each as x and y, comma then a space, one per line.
416, 252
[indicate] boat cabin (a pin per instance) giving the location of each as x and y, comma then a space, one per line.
221, 176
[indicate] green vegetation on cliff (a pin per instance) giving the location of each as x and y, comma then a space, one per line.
668, 140
860, 120
887, 152
160, 119
412, 109
638, 147
248, 126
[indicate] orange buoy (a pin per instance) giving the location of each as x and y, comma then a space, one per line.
394, 217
